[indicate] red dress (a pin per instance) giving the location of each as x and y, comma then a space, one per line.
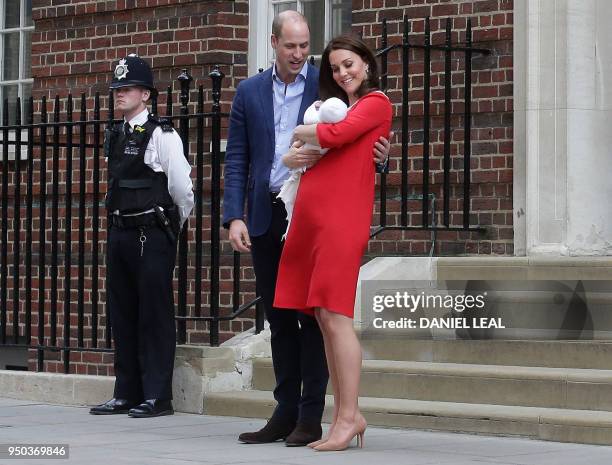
330, 227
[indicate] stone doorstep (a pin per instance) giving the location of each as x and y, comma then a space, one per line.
585, 354
465, 370
198, 370
584, 426
523, 268
475, 384
536, 261
478, 268
397, 268
380, 272
581, 426
56, 388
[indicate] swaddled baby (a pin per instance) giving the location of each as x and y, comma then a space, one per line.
332, 110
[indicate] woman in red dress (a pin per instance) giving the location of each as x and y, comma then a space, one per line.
331, 221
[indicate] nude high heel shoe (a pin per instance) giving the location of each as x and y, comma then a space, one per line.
360, 436
314, 444
329, 446
324, 439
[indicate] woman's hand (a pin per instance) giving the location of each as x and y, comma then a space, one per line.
382, 147
297, 157
306, 133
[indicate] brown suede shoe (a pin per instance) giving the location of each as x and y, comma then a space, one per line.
274, 430
303, 434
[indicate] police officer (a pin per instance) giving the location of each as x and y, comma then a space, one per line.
149, 197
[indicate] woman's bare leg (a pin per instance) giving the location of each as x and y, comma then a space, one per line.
346, 352
332, 378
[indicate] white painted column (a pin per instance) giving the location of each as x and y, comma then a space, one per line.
589, 121
563, 127
259, 35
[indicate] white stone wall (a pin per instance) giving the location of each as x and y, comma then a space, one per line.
563, 127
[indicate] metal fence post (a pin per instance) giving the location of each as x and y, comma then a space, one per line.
384, 84
426, 121
4, 236
215, 221
29, 198
467, 125
405, 103
17, 224
41, 235
185, 81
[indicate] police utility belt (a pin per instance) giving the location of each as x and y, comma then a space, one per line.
157, 217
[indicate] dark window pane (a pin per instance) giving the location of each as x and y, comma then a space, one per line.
11, 56
10, 93
28, 13
27, 55
314, 10
280, 7
342, 11
26, 92
11, 13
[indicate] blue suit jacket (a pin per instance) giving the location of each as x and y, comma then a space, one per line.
250, 149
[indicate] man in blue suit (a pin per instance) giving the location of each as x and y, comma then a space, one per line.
266, 109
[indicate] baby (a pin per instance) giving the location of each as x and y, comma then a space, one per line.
332, 110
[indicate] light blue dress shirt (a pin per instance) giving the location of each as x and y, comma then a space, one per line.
287, 102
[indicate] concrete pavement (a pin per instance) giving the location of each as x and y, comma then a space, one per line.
186, 439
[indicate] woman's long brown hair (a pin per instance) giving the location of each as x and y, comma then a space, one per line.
328, 87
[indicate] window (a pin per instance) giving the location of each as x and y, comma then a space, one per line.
327, 19
16, 28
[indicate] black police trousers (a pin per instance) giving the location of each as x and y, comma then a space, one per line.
140, 302
298, 352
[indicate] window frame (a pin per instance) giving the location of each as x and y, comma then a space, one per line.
21, 80
262, 13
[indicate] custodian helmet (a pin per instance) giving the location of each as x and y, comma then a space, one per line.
133, 71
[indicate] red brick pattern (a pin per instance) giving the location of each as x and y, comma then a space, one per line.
492, 106
75, 43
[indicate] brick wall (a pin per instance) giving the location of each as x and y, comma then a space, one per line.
74, 48
492, 105
74, 45
75, 42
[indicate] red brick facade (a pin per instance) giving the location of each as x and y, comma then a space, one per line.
492, 105
74, 47
75, 43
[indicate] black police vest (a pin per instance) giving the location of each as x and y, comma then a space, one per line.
133, 187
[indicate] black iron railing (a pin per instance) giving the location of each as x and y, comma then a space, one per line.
74, 142
427, 198
66, 142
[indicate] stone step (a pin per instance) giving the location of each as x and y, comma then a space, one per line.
525, 298
523, 268
561, 354
490, 384
565, 425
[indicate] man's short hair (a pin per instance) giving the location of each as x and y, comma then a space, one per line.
282, 17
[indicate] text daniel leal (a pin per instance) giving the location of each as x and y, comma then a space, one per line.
438, 323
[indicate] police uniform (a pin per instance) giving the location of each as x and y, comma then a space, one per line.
148, 199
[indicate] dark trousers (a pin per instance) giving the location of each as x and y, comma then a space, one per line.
298, 352
141, 307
